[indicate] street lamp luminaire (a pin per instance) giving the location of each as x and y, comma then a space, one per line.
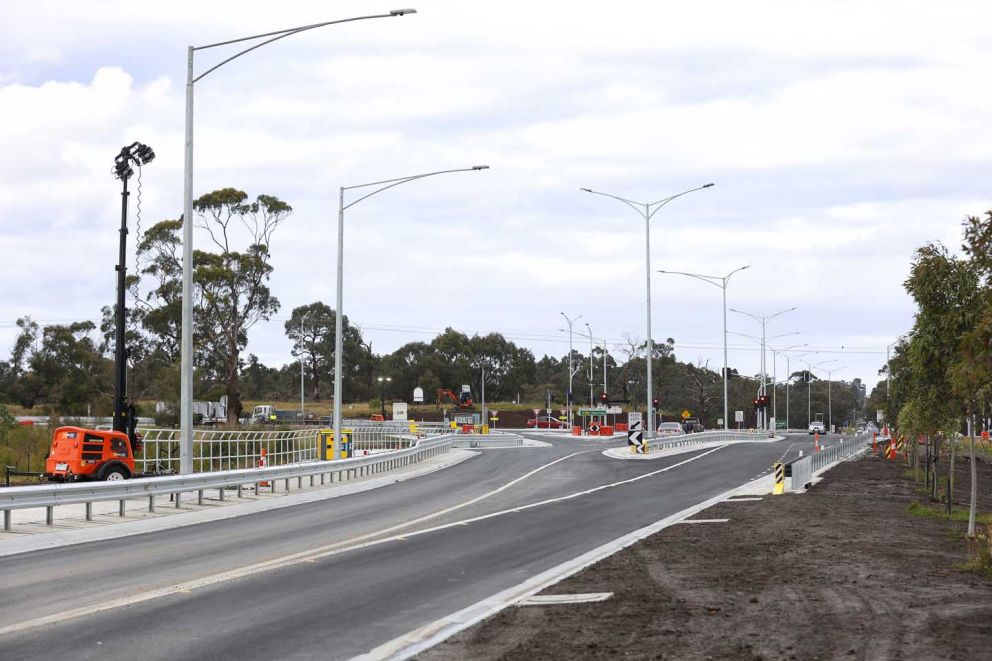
720, 282
186, 340
339, 313
647, 212
382, 393
763, 321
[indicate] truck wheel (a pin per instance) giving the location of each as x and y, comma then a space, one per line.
114, 474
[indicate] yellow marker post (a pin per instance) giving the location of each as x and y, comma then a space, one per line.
779, 478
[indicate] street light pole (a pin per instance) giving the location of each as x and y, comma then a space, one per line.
382, 395
186, 340
763, 321
647, 211
830, 408
339, 313
775, 353
302, 348
720, 282
571, 372
809, 387
591, 403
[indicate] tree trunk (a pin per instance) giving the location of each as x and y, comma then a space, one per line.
234, 406
974, 482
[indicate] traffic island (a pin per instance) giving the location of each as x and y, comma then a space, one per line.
843, 570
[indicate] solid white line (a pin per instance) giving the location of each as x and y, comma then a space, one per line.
704, 521
277, 563
325, 551
431, 634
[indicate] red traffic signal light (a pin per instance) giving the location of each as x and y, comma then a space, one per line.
603, 397
655, 402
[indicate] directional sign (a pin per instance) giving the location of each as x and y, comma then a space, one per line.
686, 414
635, 437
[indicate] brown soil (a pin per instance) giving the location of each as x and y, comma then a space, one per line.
843, 571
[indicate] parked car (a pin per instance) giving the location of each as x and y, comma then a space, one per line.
670, 429
692, 425
817, 427
546, 422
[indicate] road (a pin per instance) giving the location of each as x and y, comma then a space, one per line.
317, 581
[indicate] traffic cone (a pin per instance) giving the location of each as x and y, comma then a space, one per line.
874, 442
816, 441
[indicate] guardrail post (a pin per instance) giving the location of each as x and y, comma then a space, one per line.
199, 497
7, 524
177, 500
287, 484
221, 490
121, 508
89, 511
256, 488
311, 480
151, 503
50, 515
299, 482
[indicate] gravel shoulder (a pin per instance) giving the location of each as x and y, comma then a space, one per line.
842, 571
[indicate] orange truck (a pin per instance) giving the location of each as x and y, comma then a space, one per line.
90, 454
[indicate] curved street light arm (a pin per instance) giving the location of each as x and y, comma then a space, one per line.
280, 34
711, 279
636, 206
770, 317
748, 314
662, 203
740, 268
402, 180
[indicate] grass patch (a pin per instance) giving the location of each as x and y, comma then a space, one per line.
981, 555
916, 508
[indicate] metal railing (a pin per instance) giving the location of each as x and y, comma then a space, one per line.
233, 450
51, 495
681, 440
803, 469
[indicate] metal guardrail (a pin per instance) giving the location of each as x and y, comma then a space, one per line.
50, 495
803, 469
681, 440
490, 440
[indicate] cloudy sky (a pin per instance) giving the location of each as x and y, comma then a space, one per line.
840, 136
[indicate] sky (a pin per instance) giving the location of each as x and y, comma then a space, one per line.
840, 136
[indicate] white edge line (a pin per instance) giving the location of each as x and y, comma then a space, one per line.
431, 634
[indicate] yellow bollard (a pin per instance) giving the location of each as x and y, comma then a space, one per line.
779, 478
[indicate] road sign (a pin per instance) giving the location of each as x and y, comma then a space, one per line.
686, 414
614, 410
738, 416
538, 411
635, 437
632, 418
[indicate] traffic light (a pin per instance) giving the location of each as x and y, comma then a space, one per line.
762, 401
603, 397
757, 402
655, 402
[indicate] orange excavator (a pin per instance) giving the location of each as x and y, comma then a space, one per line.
462, 400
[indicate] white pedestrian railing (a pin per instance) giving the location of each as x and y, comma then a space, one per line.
51, 495
802, 470
216, 450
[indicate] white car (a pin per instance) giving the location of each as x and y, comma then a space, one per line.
670, 429
817, 427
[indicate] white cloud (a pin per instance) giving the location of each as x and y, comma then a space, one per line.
839, 144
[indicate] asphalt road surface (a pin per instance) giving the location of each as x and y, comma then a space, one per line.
337, 578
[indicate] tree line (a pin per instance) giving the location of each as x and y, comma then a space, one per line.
67, 369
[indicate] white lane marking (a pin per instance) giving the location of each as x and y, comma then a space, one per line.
311, 555
418, 640
555, 599
742, 500
704, 521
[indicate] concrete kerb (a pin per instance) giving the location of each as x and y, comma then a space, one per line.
167, 518
431, 634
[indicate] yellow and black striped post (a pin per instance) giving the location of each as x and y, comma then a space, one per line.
779, 478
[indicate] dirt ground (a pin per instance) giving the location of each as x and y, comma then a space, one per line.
843, 571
